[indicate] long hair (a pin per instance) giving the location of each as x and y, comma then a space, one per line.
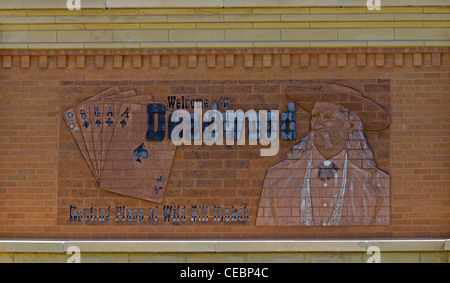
357, 146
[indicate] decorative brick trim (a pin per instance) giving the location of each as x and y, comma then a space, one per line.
25, 62
248, 60
118, 61
99, 61
62, 62
361, 59
80, 61
417, 59
216, 58
43, 62
286, 60
398, 59
211, 60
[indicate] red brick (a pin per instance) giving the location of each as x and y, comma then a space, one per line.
156, 61
286, 60
379, 60
229, 61
80, 61
99, 61
62, 62
118, 61
267, 60
323, 60
25, 62
137, 61
7, 62
342, 60
248, 60
417, 59
192, 61
360, 60
173, 61
43, 62
211, 61
436, 59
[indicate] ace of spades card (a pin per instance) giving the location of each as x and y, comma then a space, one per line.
136, 167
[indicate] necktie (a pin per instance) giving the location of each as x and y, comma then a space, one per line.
326, 170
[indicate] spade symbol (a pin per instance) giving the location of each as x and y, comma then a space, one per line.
140, 152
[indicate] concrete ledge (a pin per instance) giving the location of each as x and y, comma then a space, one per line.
110, 4
19, 246
226, 45
223, 246
226, 251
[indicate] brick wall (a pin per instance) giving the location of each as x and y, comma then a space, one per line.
42, 171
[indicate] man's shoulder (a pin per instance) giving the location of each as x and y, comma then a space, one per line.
376, 175
287, 168
290, 163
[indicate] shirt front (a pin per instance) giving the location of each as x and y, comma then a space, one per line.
325, 193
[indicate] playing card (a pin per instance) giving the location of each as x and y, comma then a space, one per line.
116, 96
86, 123
98, 121
110, 114
135, 167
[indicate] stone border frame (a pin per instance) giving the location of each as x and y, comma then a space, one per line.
293, 251
110, 4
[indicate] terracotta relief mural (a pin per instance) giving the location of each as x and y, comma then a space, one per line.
330, 177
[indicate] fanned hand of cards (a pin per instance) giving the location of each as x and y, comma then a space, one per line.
110, 129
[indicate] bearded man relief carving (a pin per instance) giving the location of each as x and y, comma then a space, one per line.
329, 178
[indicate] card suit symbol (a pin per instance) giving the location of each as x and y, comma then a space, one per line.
98, 123
160, 181
140, 152
86, 124
109, 122
123, 123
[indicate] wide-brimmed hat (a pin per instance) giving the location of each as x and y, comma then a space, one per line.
373, 116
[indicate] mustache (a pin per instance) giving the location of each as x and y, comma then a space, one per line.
324, 135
